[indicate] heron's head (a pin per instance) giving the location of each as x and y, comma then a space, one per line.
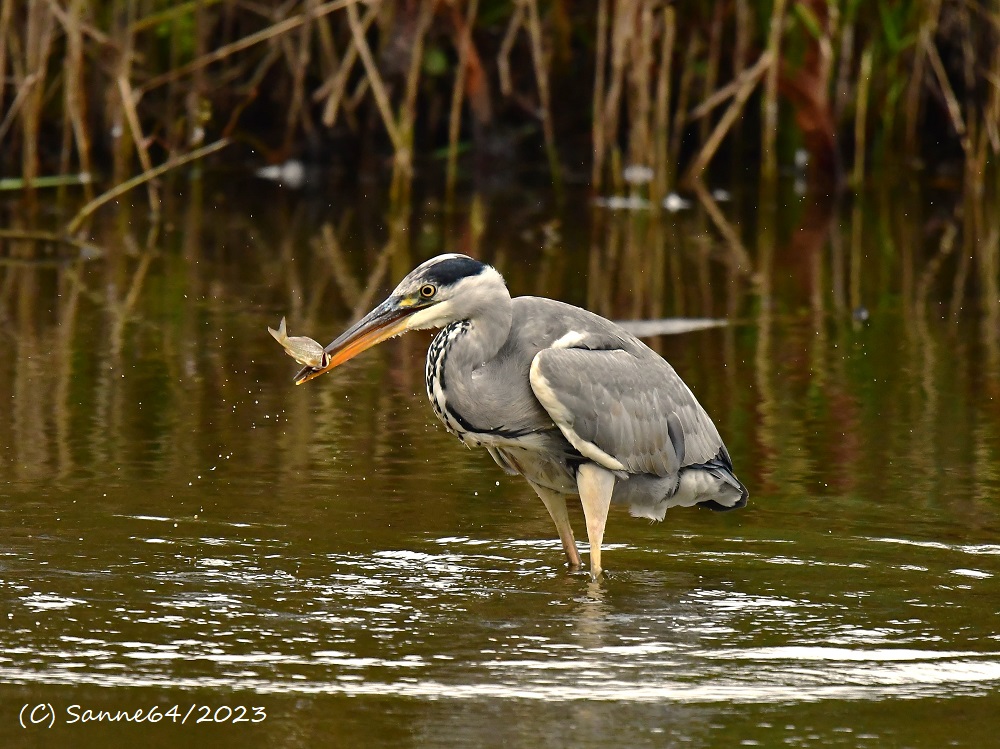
438, 292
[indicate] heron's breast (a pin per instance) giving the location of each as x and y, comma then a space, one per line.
435, 378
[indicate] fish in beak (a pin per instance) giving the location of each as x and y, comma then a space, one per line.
304, 350
385, 321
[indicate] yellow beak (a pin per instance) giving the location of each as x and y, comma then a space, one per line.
383, 322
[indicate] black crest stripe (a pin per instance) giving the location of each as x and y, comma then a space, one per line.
453, 269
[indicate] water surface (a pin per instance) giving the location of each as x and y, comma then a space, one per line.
183, 526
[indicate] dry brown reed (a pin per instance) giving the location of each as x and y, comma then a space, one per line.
741, 93
87, 210
458, 89
861, 118
539, 59
769, 125
85, 83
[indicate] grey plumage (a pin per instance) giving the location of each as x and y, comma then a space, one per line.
562, 396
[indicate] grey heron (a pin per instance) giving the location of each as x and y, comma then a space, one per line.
565, 398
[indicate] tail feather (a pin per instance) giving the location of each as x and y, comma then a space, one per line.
721, 466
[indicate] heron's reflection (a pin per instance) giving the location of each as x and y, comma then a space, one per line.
591, 613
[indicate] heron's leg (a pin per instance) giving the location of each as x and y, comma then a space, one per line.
596, 486
555, 503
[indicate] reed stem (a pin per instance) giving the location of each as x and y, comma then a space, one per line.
87, 210
542, 81
457, 91
769, 127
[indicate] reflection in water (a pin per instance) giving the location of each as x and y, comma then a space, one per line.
178, 516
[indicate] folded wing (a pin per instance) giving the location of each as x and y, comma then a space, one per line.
625, 412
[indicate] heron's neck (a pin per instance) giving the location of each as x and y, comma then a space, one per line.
456, 358
486, 334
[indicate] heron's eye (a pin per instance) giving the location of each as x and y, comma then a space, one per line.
427, 291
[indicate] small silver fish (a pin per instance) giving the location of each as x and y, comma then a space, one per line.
304, 350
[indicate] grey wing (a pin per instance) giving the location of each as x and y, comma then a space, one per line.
624, 412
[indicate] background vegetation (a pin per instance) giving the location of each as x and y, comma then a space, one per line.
119, 88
